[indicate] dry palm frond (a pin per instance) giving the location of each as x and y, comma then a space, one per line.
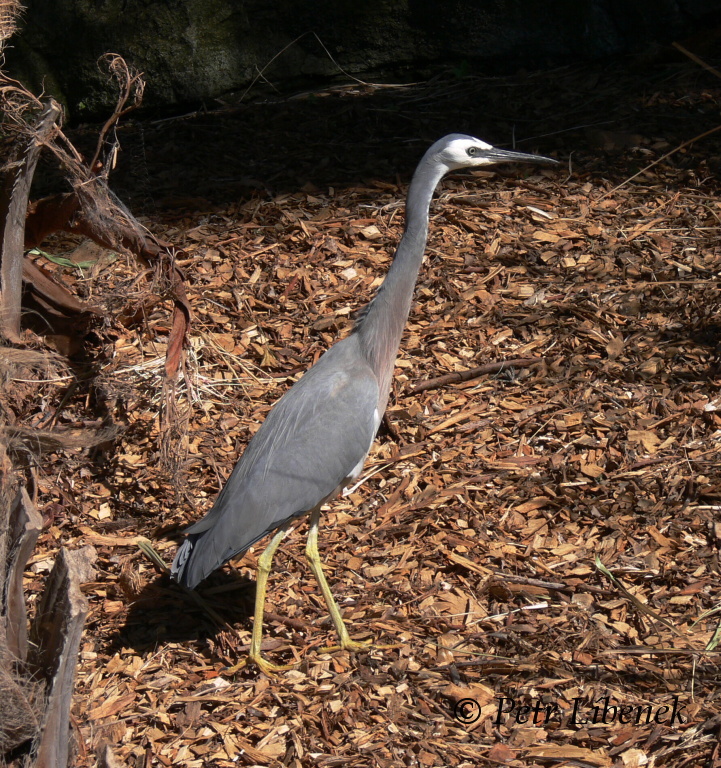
18, 719
12, 360
9, 12
26, 440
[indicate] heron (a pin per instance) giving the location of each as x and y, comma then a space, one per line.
317, 436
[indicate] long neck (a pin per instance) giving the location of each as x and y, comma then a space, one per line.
382, 321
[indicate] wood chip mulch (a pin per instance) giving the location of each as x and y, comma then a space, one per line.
541, 541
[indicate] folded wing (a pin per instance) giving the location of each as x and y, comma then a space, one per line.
313, 440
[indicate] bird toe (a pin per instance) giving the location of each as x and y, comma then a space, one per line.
268, 667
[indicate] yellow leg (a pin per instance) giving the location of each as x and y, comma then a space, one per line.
265, 562
311, 552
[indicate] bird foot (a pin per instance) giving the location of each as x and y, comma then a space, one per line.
357, 646
349, 645
268, 667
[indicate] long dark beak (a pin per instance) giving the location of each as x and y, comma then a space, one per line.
507, 156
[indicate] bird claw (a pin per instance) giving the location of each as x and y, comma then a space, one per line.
236, 667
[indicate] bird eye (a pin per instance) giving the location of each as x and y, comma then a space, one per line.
471, 151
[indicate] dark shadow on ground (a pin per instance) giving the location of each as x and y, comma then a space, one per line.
613, 117
164, 612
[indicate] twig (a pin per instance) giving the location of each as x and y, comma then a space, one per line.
474, 373
700, 281
327, 52
391, 429
660, 159
698, 61
629, 596
297, 624
130, 83
555, 585
648, 650
643, 463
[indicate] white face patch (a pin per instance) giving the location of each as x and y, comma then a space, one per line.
455, 154
459, 147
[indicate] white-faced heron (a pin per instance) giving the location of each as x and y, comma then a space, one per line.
317, 436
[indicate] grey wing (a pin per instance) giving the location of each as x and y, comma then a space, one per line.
313, 440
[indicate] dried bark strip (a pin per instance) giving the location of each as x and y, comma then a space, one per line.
25, 524
14, 205
68, 213
56, 632
51, 292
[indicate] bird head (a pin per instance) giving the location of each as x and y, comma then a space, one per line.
459, 151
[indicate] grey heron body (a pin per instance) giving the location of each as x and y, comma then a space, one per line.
317, 436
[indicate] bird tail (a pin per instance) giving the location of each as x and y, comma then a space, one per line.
201, 553
207, 546
181, 570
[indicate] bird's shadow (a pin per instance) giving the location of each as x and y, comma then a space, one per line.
163, 612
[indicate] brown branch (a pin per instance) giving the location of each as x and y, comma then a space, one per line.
297, 624
474, 373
